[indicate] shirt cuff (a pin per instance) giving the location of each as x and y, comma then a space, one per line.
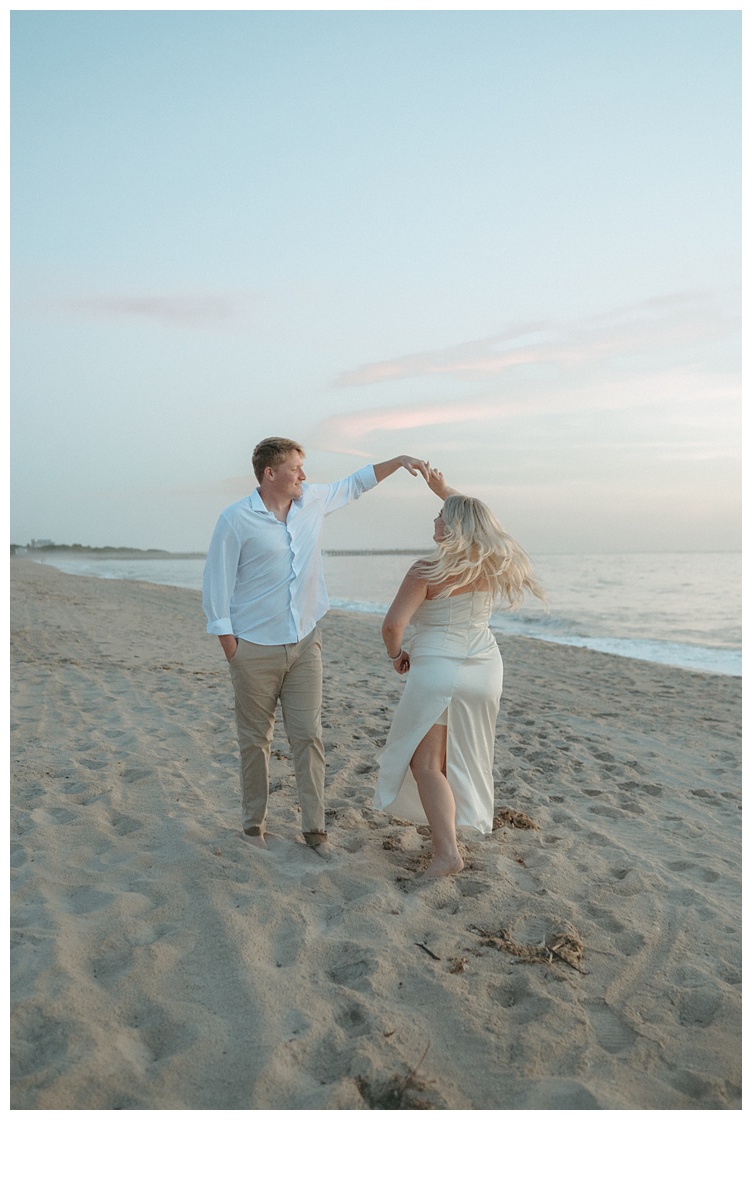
367, 477
220, 627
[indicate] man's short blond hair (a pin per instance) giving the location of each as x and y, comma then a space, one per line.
271, 452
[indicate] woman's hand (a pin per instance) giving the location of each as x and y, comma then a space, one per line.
402, 664
437, 483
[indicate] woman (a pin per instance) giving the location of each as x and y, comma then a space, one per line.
437, 763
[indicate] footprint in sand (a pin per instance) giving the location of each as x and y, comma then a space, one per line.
604, 810
161, 1035
629, 943
699, 1006
633, 807
86, 899
560, 818
18, 856
354, 1019
75, 789
62, 816
605, 919
518, 994
113, 962
612, 1032
710, 798
690, 1084
134, 774
353, 967
628, 882
702, 873
556, 1093
29, 792
124, 824
39, 1041
472, 887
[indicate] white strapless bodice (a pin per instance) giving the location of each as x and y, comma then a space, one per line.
456, 626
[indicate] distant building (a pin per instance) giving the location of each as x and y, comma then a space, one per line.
40, 543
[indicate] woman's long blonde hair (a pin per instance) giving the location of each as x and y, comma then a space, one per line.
476, 547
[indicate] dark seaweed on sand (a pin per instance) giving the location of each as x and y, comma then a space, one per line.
566, 945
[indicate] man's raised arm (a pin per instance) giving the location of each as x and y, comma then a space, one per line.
416, 466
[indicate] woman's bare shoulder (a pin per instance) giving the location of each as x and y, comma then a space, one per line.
419, 573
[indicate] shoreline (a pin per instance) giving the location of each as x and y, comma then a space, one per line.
161, 963
703, 657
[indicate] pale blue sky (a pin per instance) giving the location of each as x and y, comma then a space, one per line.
505, 241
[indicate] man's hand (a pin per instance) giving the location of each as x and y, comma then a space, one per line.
416, 466
229, 644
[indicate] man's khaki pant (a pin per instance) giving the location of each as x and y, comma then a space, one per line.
262, 675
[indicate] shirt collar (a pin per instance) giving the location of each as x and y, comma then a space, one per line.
257, 504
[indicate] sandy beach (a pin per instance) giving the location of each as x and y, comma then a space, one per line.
589, 956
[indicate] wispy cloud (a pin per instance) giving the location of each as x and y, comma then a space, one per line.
343, 432
187, 310
657, 325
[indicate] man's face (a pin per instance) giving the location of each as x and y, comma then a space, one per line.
289, 476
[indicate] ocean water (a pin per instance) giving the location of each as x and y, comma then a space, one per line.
683, 610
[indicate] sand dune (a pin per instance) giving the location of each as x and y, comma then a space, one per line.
160, 962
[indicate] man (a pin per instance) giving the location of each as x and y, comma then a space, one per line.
263, 596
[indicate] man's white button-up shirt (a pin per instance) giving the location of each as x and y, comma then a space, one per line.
263, 579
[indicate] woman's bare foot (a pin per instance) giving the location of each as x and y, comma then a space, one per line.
438, 867
256, 840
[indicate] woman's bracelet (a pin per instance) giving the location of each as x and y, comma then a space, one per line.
394, 657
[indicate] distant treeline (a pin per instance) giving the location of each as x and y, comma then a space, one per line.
135, 552
413, 553
103, 551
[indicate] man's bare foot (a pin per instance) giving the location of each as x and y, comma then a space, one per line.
439, 867
323, 849
256, 840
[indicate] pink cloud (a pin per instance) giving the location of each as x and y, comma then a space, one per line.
658, 324
685, 391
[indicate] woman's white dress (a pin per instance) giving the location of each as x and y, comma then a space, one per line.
455, 678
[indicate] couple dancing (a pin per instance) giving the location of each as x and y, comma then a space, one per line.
263, 596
